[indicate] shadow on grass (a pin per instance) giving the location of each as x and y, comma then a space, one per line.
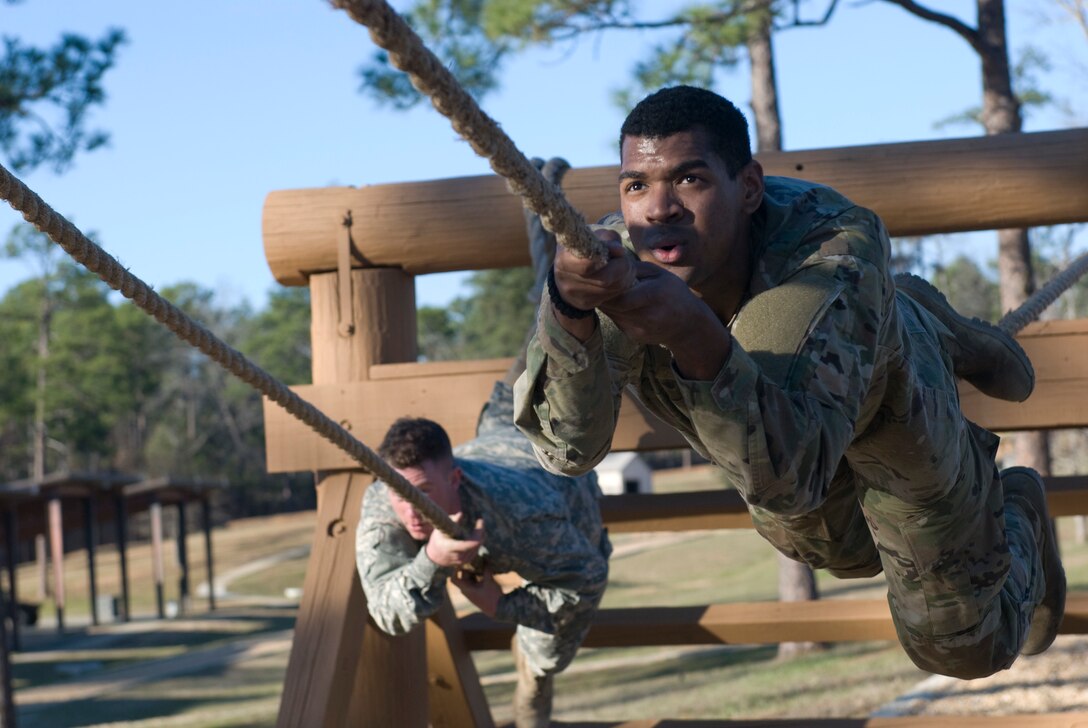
51, 658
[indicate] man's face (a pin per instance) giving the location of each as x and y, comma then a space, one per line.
685, 214
439, 481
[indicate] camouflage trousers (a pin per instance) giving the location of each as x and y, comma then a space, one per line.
548, 653
918, 496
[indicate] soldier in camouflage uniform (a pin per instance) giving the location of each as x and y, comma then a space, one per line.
546, 528
759, 317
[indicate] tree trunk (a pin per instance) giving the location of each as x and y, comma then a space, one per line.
1001, 115
796, 582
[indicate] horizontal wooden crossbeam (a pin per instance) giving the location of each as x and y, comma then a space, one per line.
713, 509
744, 623
470, 223
1038, 720
451, 393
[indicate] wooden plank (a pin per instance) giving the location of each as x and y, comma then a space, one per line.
1067, 495
744, 623
1036, 720
1058, 350
455, 694
451, 393
453, 401
918, 188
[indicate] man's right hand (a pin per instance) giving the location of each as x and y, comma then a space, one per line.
586, 284
450, 552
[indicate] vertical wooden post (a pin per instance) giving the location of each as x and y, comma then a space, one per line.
332, 643
183, 558
157, 569
41, 557
89, 525
11, 546
206, 517
56, 552
120, 506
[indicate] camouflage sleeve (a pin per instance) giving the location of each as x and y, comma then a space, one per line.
402, 585
779, 423
567, 400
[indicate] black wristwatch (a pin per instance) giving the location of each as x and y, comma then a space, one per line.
562, 306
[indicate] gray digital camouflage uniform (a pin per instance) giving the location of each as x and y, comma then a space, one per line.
836, 417
545, 527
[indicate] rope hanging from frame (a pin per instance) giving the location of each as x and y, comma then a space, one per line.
428, 74
62, 232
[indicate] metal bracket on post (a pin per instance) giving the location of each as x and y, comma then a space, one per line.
346, 326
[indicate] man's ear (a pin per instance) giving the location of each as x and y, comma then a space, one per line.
751, 177
455, 477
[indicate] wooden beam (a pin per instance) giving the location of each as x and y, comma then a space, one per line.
978, 183
742, 623
1067, 495
455, 695
343, 671
451, 393
1035, 720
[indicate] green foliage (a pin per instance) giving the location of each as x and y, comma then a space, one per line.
496, 318
45, 97
968, 289
454, 30
123, 393
475, 38
1029, 94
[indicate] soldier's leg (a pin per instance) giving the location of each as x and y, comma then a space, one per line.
834, 536
963, 579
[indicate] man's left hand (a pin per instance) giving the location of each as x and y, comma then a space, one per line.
481, 589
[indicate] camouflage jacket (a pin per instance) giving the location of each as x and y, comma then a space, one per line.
544, 527
807, 373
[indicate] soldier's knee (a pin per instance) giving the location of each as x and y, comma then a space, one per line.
965, 656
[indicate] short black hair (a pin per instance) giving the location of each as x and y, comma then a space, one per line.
410, 441
674, 109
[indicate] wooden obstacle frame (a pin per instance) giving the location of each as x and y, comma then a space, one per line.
343, 671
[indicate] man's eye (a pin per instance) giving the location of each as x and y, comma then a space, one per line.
633, 187
688, 179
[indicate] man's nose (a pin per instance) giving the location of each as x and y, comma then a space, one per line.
664, 205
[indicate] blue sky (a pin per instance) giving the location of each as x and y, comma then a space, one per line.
215, 103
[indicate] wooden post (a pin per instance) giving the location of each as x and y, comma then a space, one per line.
158, 572
183, 559
41, 557
333, 645
89, 539
120, 506
56, 552
11, 546
206, 517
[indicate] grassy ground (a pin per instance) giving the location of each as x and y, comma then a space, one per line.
226, 668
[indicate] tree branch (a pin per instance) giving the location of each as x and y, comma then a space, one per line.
968, 33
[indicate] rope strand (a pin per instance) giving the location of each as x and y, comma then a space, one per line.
1033, 307
427, 73
62, 232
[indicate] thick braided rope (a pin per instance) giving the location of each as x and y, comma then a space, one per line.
76, 244
408, 53
1037, 302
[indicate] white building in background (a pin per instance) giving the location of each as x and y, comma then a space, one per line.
624, 472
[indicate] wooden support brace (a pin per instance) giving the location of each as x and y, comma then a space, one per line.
456, 697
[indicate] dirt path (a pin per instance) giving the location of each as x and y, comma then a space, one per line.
1055, 681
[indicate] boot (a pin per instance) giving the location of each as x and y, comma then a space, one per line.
1024, 487
533, 694
983, 354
